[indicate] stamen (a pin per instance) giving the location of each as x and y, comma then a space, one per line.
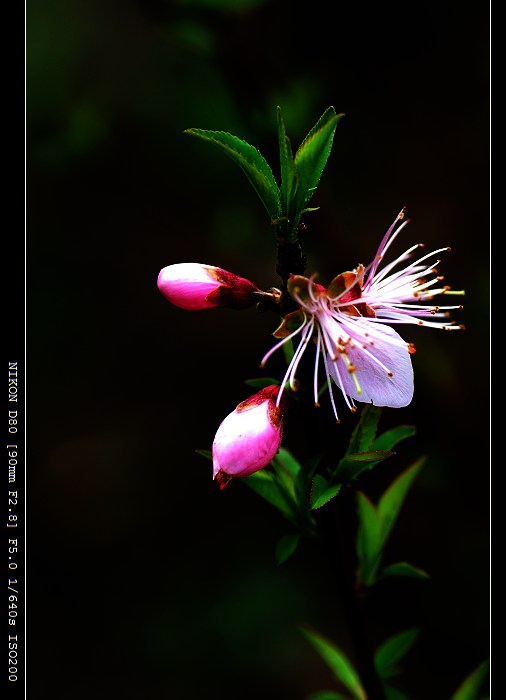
329, 382
294, 363
386, 270
387, 241
339, 382
352, 370
312, 295
317, 360
300, 351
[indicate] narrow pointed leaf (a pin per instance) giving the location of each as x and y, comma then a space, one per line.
402, 568
326, 496
391, 502
284, 476
389, 654
319, 485
392, 437
304, 480
470, 687
311, 158
351, 466
365, 431
251, 161
264, 483
338, 662
205, 453
287, 165
287, 461
369, 540
286, 547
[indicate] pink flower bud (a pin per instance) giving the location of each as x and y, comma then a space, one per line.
249, 437
194, 286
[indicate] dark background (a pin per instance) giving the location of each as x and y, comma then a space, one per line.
143, 580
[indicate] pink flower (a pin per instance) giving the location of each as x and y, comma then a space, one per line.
194, 286
249, 437
350, 321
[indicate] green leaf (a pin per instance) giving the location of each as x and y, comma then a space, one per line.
251, 161
261, 382
327, 695
394, 693
471, 685
287, 461
338, 662
375, 525
265, 484
319, 485
351, 466
389, 654
369, 540
392, 437
304, 480
287, 166
286, 547
310, 160
391, 502
286, 468
365, 430
326, 496
402, 568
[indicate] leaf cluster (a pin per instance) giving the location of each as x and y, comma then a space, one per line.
300, 173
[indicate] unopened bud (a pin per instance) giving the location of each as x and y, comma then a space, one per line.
194, 286
249, 437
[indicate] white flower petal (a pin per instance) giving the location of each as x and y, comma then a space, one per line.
372, 383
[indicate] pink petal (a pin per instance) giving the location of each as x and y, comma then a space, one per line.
376, 385
188, 285
245, 442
